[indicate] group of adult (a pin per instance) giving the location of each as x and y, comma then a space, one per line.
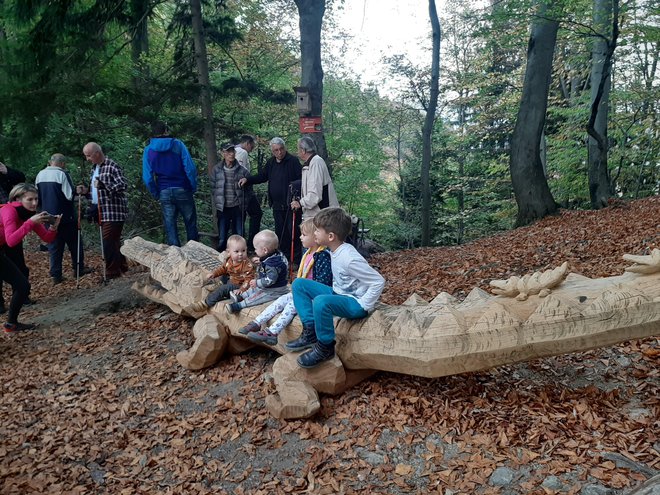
295, 192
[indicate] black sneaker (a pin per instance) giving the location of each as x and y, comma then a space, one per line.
58, 280
29, 302
18, 327
263, 337
232, 308
253, 326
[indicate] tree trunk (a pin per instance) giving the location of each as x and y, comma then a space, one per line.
201, 60
310, 21
427, 130
600, 188
530, 186
140, 11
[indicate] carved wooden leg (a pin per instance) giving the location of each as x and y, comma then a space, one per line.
294, 399
211, 340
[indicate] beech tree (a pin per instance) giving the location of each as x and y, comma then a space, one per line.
310, 21
427, 130
529, 183
606, 25
202, 63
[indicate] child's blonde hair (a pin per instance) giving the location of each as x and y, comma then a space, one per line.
236, 238
307, 226
268, 238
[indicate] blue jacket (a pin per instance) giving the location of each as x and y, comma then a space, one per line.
166, 163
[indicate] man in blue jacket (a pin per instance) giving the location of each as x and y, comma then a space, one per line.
171, 177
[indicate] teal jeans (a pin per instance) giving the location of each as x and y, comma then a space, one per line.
317, 303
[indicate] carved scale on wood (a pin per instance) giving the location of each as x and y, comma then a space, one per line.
533, 316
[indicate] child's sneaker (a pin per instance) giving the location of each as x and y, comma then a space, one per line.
235, 296
18, 327
253, 326
263, 337
199, 306
232, 308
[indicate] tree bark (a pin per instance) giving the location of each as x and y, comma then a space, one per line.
600, 187
530, 186
201, 60
310, 22
140, 11
427, 129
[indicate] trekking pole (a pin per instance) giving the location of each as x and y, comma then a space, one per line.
293, 236
101, 237
78, 247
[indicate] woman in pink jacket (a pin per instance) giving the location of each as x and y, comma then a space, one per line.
17, 219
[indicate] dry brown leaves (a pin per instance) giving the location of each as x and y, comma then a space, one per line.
98, 404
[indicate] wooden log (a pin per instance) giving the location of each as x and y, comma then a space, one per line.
211, 340
293, 400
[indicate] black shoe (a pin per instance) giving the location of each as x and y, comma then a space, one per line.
319, 353
18, 327
58, 280
29, 302
306, 340
84, 271
232, 308
263, 337
253, 326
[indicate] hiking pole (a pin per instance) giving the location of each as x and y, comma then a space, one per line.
78, 247
293, 235
101, 236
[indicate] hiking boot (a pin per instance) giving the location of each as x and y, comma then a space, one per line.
58, 280
263, 337
18, 327
232, 308
306, 340
199, 306
319, 353
253, 326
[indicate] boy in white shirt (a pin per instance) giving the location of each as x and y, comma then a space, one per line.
356, 287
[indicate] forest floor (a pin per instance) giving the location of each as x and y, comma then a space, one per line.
94, 401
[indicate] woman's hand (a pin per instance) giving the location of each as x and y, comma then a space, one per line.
58, 219
210, 276
40, 218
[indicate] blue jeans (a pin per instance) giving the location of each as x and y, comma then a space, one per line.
317, 303
175, 201
229, 219
67, 235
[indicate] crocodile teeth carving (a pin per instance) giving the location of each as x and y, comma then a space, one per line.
532, 316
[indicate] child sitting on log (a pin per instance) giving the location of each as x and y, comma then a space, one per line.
315, 265
239, 269
271, 277
356, 287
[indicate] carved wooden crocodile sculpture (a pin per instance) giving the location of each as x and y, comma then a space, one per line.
541, 314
